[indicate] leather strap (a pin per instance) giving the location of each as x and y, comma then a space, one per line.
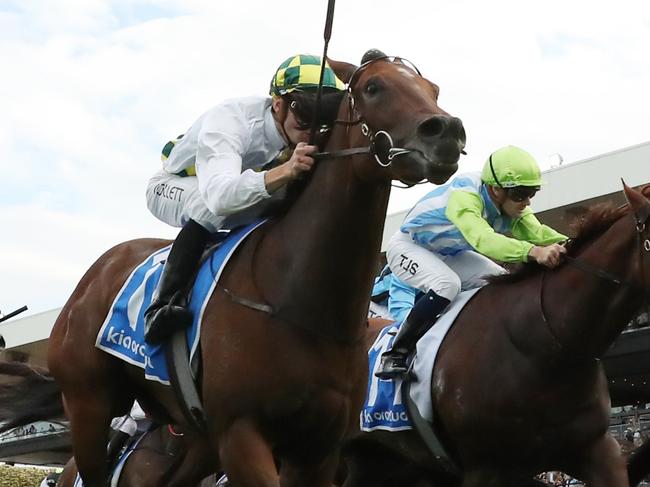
425, 430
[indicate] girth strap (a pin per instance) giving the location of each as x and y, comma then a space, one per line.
425, 430
182, 381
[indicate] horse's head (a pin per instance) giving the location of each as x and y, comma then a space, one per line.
639, 204
640, 208
410, 135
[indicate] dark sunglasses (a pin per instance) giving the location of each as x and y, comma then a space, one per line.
521, 193
303, 118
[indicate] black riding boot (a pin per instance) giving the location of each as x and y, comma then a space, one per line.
115, 445
424, 314
168, 310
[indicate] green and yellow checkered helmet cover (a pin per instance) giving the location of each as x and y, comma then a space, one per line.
512, 167
302, 72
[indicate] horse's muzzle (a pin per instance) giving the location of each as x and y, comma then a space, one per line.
437, 145
440, 128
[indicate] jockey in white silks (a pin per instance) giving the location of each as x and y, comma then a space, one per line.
224, 170
450, 239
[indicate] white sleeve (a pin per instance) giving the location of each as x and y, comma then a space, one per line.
223, 139
137, 413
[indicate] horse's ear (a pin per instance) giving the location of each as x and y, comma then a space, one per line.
645, 190
372, 54
343, 70
638, 202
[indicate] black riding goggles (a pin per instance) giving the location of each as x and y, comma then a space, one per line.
303, 107
521, 193
303, 117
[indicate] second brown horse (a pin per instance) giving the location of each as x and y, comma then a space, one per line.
518, 387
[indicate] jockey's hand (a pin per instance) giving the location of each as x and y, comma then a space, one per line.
299, 163
548, 256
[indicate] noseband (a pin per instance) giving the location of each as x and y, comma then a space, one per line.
376, 136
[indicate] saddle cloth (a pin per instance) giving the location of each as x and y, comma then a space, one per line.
384, 408
122, 333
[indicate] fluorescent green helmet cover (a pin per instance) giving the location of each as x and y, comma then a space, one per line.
511, 166
302, 72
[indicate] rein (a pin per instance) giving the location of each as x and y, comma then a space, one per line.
378, 138
373, 137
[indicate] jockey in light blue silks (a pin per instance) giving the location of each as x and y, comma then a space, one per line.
450, 239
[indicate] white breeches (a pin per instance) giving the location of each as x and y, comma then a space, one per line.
175, 200
445, 275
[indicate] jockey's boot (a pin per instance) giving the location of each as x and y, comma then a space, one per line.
424, 314
115, 445
169, 311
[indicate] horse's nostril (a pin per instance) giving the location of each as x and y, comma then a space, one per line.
432, 127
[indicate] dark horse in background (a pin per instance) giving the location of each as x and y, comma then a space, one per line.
164, 456
289, 384
160, 458
518, 387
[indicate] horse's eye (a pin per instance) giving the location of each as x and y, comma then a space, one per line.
371, 88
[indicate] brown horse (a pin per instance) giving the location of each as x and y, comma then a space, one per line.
159, 459
518, 387
163, 457
272, 380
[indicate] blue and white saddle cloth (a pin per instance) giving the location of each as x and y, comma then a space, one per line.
122, 333
384, 408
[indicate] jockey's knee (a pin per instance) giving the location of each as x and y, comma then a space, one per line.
448, 287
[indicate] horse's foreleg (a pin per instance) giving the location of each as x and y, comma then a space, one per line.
320, 474
604, 465
247, 457
90, 418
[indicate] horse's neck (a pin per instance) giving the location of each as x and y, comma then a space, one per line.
588, 312
328, 247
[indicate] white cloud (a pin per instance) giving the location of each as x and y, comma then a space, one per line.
92, 89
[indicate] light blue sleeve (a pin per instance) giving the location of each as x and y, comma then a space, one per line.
401, 299
382, 286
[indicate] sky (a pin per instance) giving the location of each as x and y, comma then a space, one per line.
91, 90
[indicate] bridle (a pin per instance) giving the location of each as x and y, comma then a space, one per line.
643, 245
375, 137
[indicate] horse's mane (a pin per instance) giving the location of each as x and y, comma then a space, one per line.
585, 228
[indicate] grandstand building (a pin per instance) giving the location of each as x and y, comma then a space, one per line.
569, 190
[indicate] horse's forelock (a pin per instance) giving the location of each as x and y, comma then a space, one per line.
645, 190
372, 54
